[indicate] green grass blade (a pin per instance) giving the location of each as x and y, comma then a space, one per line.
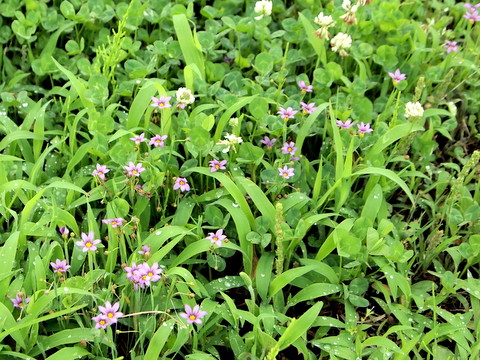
191, 50
159, 339
389, 174
317, 44
299, 327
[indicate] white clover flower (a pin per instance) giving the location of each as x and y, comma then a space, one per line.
346, 5
184, 96
413, 110
264, 8
340, 43
230, 141
324, 20
233, 122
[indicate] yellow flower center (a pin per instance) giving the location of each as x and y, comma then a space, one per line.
110, 315
182, 182
20, 304
290, 149
217, 166
100, 173
134, 172
88, 244
192, 317
102, 322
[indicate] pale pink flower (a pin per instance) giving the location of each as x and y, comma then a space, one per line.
138, 138
87, 242
100, 171
161, 102
286, 172
193, 315
158, 141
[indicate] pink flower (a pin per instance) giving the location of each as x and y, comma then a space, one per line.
216, 238
269, 143
134, 170
100, 171
216, 165
182, 184
193, 316
472, 15
139, 139
286, 172
397, 76
162, 102
149, 274
288, 113
64, 231
88, 243
289, 148
145, 250
470, 6
364, 128
102, 321
346, 125
304, 87
60, 266
132, 271
308, 108
19, 301
111, 312
114, 222
451, 46
158, 141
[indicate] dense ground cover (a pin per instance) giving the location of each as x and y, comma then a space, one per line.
239, 179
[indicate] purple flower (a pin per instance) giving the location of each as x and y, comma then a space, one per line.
100, 171
286, 172
397, 76
289, 148
149, 274
60, 266
346, 125
182, 184
139, 139
269, 143
162, 102
145, 250
88, 243
114, 222
134, 170
158, 141
216, 238
451, 46
133, 275
216, 165
19, 301
111, 312
132, 271
102, 321
193, 316
304, 87
364, 128
472, 15
308, 108
64, 231
470, 6
288, 113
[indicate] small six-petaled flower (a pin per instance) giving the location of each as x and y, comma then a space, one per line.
193, 315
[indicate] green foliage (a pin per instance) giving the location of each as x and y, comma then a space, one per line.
236, 181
